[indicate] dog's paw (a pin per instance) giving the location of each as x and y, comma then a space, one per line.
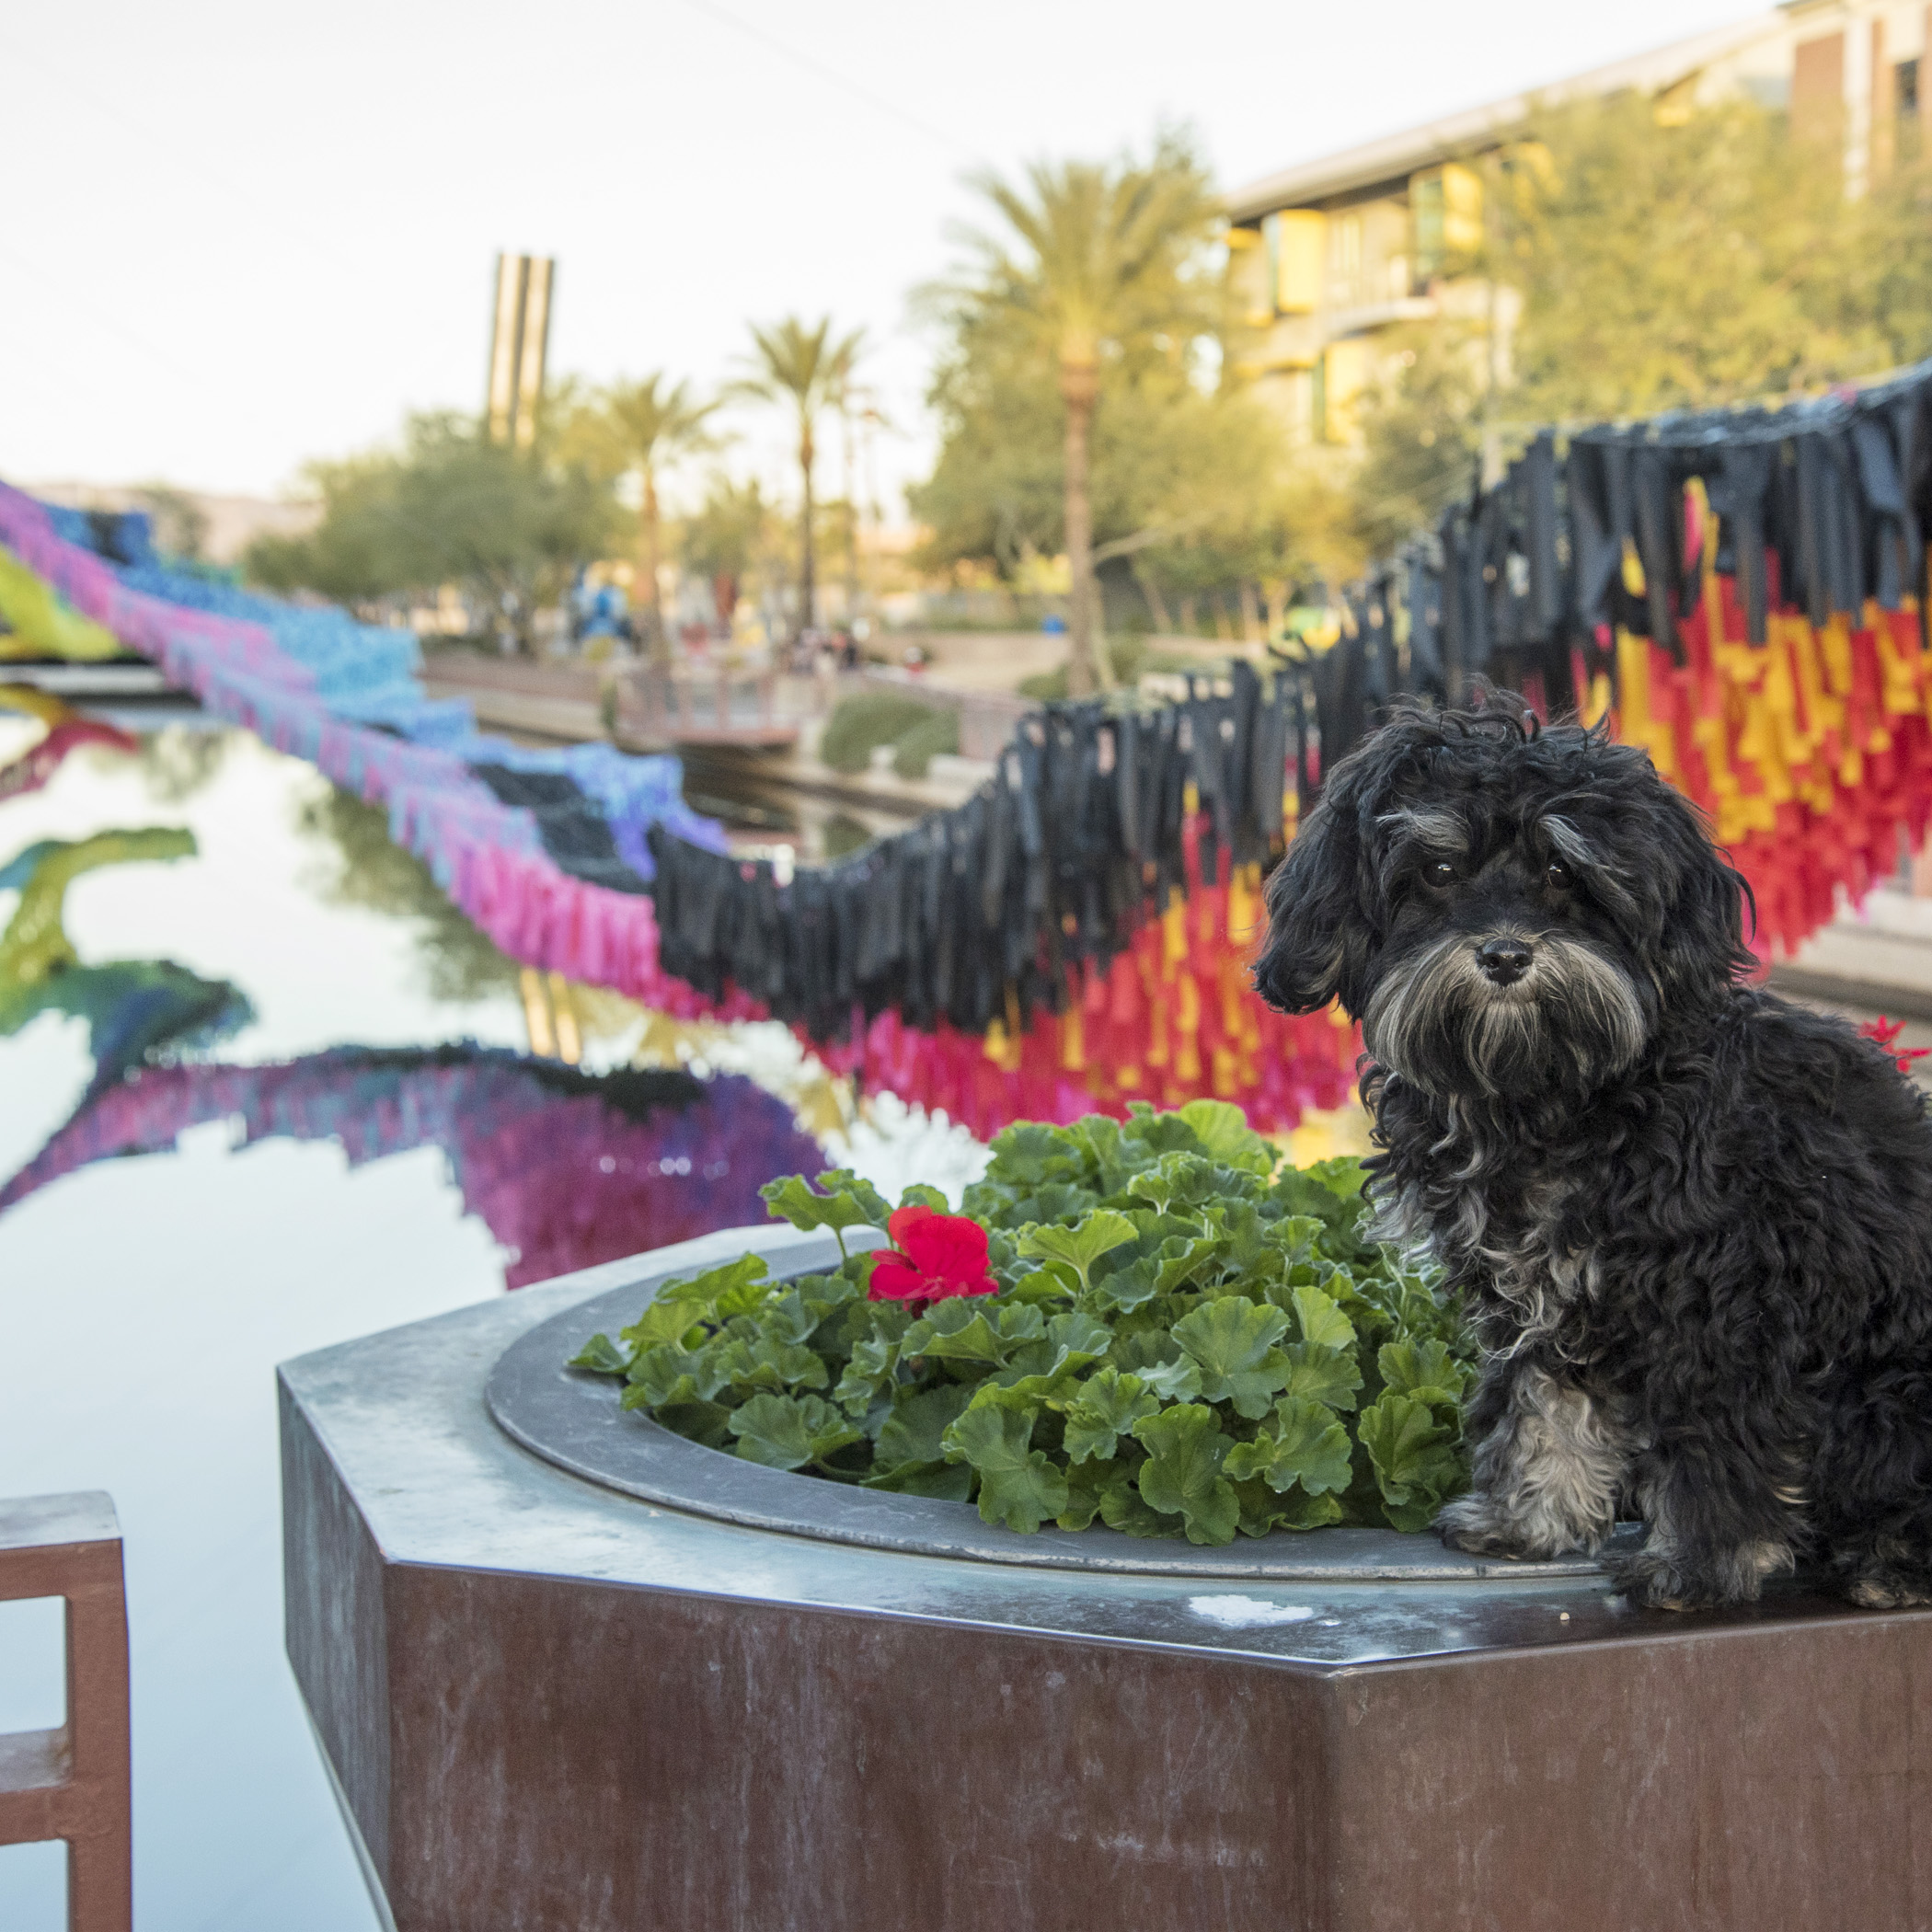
1651, 1579
1885, 1586
1660, 1577
1473, 1526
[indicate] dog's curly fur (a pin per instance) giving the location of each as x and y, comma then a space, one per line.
1692, 1223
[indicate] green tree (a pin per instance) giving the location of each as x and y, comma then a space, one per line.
1644, 255
807, 369
1094, 265
450, 506
635, 428
1422, 431
1699, 258
725, 538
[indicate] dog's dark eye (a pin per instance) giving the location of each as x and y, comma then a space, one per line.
1441, 872
1558, 873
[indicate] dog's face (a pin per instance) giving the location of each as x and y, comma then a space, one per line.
1507, 915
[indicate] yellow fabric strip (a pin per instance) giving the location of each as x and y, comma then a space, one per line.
40, 624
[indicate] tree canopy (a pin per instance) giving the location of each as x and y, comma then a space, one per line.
449, 506
1082, 392
807, 368
1657, 256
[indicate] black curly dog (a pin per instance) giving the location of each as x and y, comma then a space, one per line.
1692, 1223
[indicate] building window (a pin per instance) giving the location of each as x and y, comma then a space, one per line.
1905, 89
1446, 211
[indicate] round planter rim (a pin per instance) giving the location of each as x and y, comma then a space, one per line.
571, 1417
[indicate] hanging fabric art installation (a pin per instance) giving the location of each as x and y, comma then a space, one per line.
1742, 593
342, 695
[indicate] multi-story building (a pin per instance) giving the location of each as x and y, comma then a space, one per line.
1330, 255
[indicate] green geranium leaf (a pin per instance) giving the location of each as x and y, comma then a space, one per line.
1021, 1323
843, 1181
920, 1195
1077, 1247
1028, 1154
1177, 1381
1122, 1508
874, 1357
1310, 1513
1182, 1474
1177, 1182
601, 1353
1071, 1343
1131, 1284
656, 1393
705, 1422
947, 1482
1424, 1370
1107, 1407
1181, 1261
1224, 1134
1261, 1508
919, 1424
1323, 1375
844, 1201
1159, 1133
1306, 1444
1323, 1323
1019, 1485
766, 1362
1043, 1288
1343, 1176
794, 1318
1416, 1468
658, 1371
787, 1432
716, 1295
1080, 1334
1233, 1340
956, 1330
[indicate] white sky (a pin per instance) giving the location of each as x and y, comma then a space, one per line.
242, 235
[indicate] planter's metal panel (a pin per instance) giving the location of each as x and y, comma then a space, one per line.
571, 1417
559, 1709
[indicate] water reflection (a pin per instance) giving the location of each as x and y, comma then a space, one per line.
567, 1166
219, 965
460, 961
133, 1008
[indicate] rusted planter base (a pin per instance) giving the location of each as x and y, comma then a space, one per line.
554, 1708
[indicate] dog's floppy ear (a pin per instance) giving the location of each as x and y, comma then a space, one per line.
1324, 904
1701, 949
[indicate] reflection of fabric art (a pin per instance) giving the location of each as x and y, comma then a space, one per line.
133, 1007
566, 1168
67, 729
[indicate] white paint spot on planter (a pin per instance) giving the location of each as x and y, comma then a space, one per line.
1246, 1613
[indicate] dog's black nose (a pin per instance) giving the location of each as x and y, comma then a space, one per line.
1503, 960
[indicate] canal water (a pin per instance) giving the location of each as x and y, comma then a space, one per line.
261, 1089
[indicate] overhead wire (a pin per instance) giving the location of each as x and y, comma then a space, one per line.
812, 64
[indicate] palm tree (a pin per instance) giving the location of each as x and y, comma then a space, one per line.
1098, 257
647, 424
809, 368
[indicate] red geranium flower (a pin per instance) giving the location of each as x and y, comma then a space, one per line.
938, 1254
